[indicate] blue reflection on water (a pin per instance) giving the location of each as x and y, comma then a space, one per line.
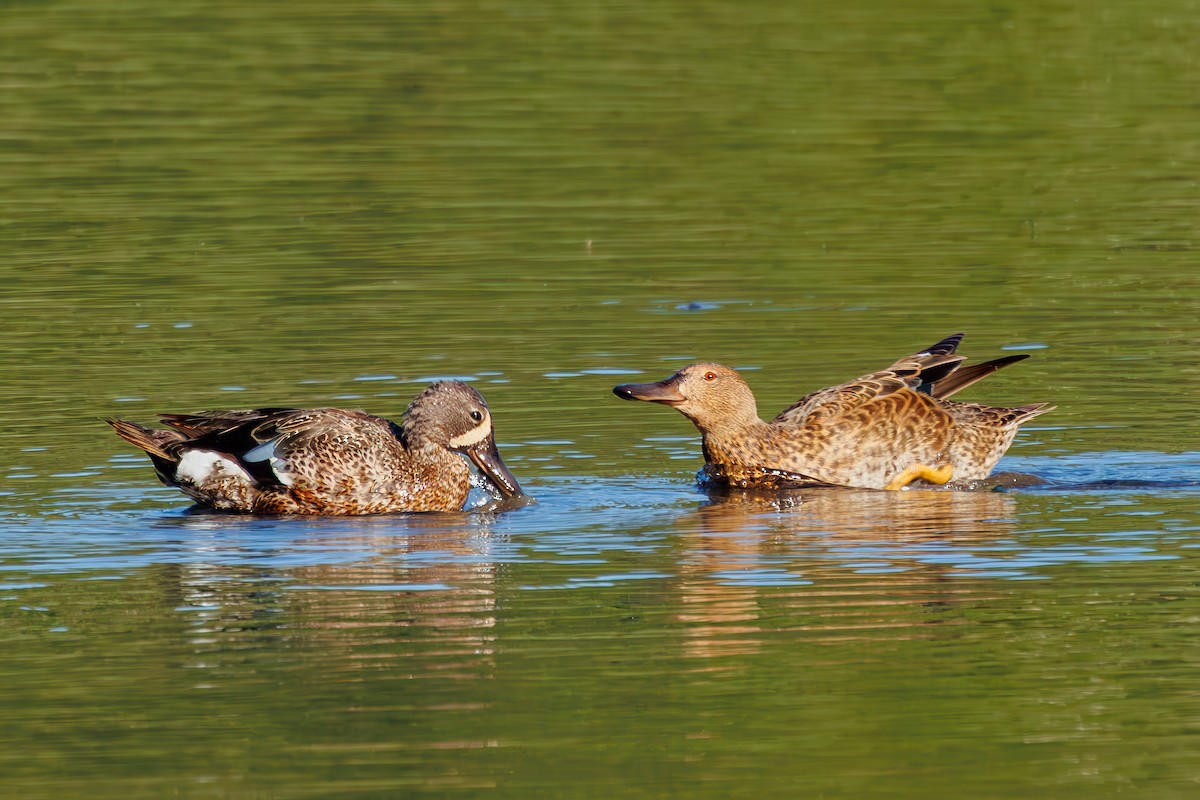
596, 531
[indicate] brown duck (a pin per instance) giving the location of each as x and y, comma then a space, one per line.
328, 460
881, 431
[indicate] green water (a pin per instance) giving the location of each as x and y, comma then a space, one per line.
236, 204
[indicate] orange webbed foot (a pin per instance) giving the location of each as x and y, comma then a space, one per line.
939, 475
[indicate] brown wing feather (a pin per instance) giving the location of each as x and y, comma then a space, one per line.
916, 372
838, 400
354, 430
961, 378
937, 371
335, 452
203, 422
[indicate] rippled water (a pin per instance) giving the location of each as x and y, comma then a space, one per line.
623, 636
221, 205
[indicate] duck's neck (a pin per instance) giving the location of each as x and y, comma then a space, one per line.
739, 443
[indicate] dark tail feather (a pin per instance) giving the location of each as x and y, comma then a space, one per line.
963, 377
945, 346
187, 423
932, 364
154, 442
935, 369
210, 421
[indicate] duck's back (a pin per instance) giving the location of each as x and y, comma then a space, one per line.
866, 431
312, 461
348, 462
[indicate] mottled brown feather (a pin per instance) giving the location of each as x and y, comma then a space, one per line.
323, 460
861, 433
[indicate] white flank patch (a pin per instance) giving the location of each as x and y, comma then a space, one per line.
279, 467
266, 452
197, 467
473, 436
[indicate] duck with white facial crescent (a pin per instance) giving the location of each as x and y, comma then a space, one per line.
330, 460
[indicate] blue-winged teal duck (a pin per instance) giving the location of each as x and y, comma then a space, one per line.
327, 460
881, 431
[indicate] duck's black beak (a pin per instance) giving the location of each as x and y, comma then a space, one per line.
487, 458
664, 391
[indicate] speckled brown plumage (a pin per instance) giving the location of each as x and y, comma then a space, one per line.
864, 433
329, 460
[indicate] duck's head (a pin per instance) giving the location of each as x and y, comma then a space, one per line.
712, 396
453, 415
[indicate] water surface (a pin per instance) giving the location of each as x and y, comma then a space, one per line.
221, 205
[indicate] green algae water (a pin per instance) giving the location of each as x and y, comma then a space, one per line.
214, 205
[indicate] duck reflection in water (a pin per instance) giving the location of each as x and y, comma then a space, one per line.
834, 564
416, 593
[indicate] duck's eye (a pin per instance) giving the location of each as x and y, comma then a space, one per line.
477, 416
710, 376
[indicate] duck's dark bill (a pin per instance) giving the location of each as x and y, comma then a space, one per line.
487, 458
660, 392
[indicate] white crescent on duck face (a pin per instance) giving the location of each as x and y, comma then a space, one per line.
883, 430
329, 460
473, 437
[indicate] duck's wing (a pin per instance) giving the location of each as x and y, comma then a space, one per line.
214, 436
969, 374
844, 398
276, 445
941, 376
322, 445
202, 422
919, 372
937, 371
